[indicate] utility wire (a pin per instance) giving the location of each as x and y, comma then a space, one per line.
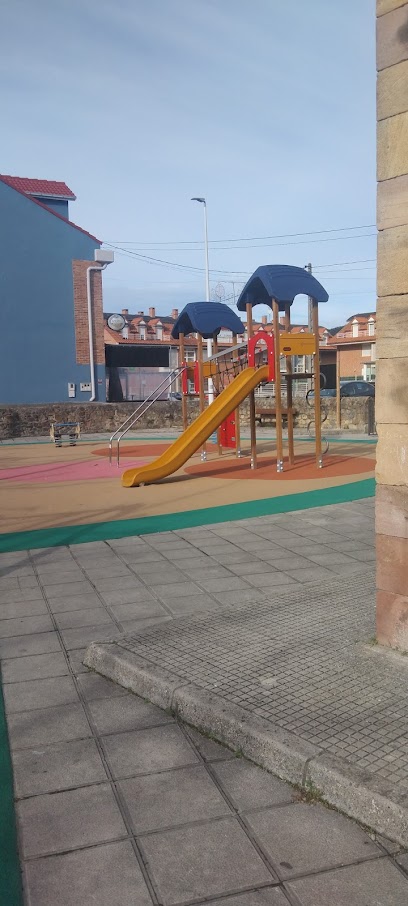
268, 245
199, 243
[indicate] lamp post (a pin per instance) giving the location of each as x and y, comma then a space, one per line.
207, 288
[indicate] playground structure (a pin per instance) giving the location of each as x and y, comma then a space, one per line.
237, 372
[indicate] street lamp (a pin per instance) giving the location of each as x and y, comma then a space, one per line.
207, 288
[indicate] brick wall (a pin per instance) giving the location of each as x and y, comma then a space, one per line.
351, 362
392, 319
79, 269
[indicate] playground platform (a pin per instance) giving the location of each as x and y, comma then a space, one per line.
67, 495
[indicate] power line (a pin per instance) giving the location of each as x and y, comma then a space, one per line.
233, 248
192, 268
366, 226
341, 263
175, 264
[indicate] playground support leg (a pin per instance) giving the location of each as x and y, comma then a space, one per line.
289, 393
251, 397
338, 397
318, 425
183, 396
278, 388
202, 395
216, 391
237, 422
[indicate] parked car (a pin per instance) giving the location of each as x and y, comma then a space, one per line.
357, 388
174, 396
324, 391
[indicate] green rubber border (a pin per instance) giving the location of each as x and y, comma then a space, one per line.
168, 522
11, 893
45, 441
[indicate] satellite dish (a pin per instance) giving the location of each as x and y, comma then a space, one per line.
220, 292
116, 322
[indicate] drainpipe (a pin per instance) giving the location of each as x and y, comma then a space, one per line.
93, 267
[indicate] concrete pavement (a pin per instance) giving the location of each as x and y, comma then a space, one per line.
119, 802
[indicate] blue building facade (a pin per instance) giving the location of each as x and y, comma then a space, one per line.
38, 336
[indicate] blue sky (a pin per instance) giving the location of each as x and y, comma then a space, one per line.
266, 108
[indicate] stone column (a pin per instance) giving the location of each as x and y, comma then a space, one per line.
392, 324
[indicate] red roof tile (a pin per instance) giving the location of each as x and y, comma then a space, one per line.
46, 188
42, 204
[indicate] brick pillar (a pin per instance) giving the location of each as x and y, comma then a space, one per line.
79, 269
392, 324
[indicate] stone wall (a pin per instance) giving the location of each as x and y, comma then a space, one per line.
392, 321
94, 418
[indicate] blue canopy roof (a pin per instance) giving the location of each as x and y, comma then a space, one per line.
281, 282
207, 319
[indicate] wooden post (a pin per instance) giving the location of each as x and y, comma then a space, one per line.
183, 396
201, 388
235, 356
289, 392
318, 424
252, 422
278, 388
216, 386
338, 397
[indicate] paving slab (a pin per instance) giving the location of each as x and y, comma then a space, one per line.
25, 626
203, 861
376, 883
105, 875
25, 608
37, 666
267, 896
310, 838
148, 750
42, 727
39, 693
59, 822
249, 787
49, 768
129, 713
36, 643
169, 798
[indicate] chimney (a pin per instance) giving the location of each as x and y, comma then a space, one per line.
174, 314
152, 312
140, 314
264, 319
125, 312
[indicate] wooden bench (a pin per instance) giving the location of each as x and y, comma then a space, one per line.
262, 415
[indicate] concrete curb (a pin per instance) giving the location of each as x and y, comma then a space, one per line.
291, 758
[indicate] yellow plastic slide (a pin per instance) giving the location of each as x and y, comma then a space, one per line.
198, 432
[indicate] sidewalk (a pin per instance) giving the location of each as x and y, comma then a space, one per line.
118, 801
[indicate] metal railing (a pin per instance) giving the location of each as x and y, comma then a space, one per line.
141, 410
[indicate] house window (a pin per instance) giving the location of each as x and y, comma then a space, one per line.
369, 372
355, 328
366, 351
142, 330
159, 331
190, 355
371, 327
